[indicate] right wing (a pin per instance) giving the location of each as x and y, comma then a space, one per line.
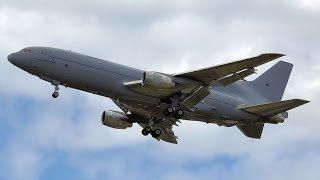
274, 108
165, 126
142, 115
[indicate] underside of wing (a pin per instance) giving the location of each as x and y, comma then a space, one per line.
275, 108
212, 74
167, 133
141, 116
196, 96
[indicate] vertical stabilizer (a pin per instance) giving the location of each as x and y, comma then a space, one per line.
273, 82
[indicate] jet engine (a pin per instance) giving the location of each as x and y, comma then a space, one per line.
115, 119
157, 81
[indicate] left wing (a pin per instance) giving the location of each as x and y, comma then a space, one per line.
194, 85
212, 74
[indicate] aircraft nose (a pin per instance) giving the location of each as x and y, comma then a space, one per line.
18, 59
11, 58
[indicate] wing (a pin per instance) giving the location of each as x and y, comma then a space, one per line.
245, 67
199, 80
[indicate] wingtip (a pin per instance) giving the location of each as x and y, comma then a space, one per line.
302, 101
306, 101
275, 55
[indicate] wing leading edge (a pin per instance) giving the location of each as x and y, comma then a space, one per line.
212, 74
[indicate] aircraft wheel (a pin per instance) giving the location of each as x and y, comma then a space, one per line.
144, 132
178, 114
156, 133
55, 94
168, 111
148, 129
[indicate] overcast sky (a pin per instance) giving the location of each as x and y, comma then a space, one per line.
46, 138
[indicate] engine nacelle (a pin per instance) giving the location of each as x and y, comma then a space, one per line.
115, 119
157, 81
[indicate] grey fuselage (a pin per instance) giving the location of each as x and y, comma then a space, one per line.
106, 78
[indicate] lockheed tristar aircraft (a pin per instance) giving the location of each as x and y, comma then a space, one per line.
156, 101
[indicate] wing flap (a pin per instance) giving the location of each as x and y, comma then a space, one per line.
196, 96
236, 77
211, 74
275, 108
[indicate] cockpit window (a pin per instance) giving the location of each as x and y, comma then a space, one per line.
25, 50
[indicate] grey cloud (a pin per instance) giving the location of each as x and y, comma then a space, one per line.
170, 37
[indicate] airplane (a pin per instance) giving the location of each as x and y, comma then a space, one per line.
158, 101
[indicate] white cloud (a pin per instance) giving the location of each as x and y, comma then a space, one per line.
168, 37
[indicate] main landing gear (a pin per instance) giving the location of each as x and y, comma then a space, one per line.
155, 133
177, 113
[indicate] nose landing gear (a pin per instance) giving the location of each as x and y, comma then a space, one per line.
55, 94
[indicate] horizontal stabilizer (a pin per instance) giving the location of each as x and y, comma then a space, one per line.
251, 130
274, 108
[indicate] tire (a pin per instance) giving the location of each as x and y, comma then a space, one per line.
55, 94
178, 114
168, 111
144, 132
156, 133
148, 129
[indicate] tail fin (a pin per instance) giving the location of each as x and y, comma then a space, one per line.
273, 82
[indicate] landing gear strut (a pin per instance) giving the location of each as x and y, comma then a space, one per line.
177, 113
155, 133
55, 94
148, 130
